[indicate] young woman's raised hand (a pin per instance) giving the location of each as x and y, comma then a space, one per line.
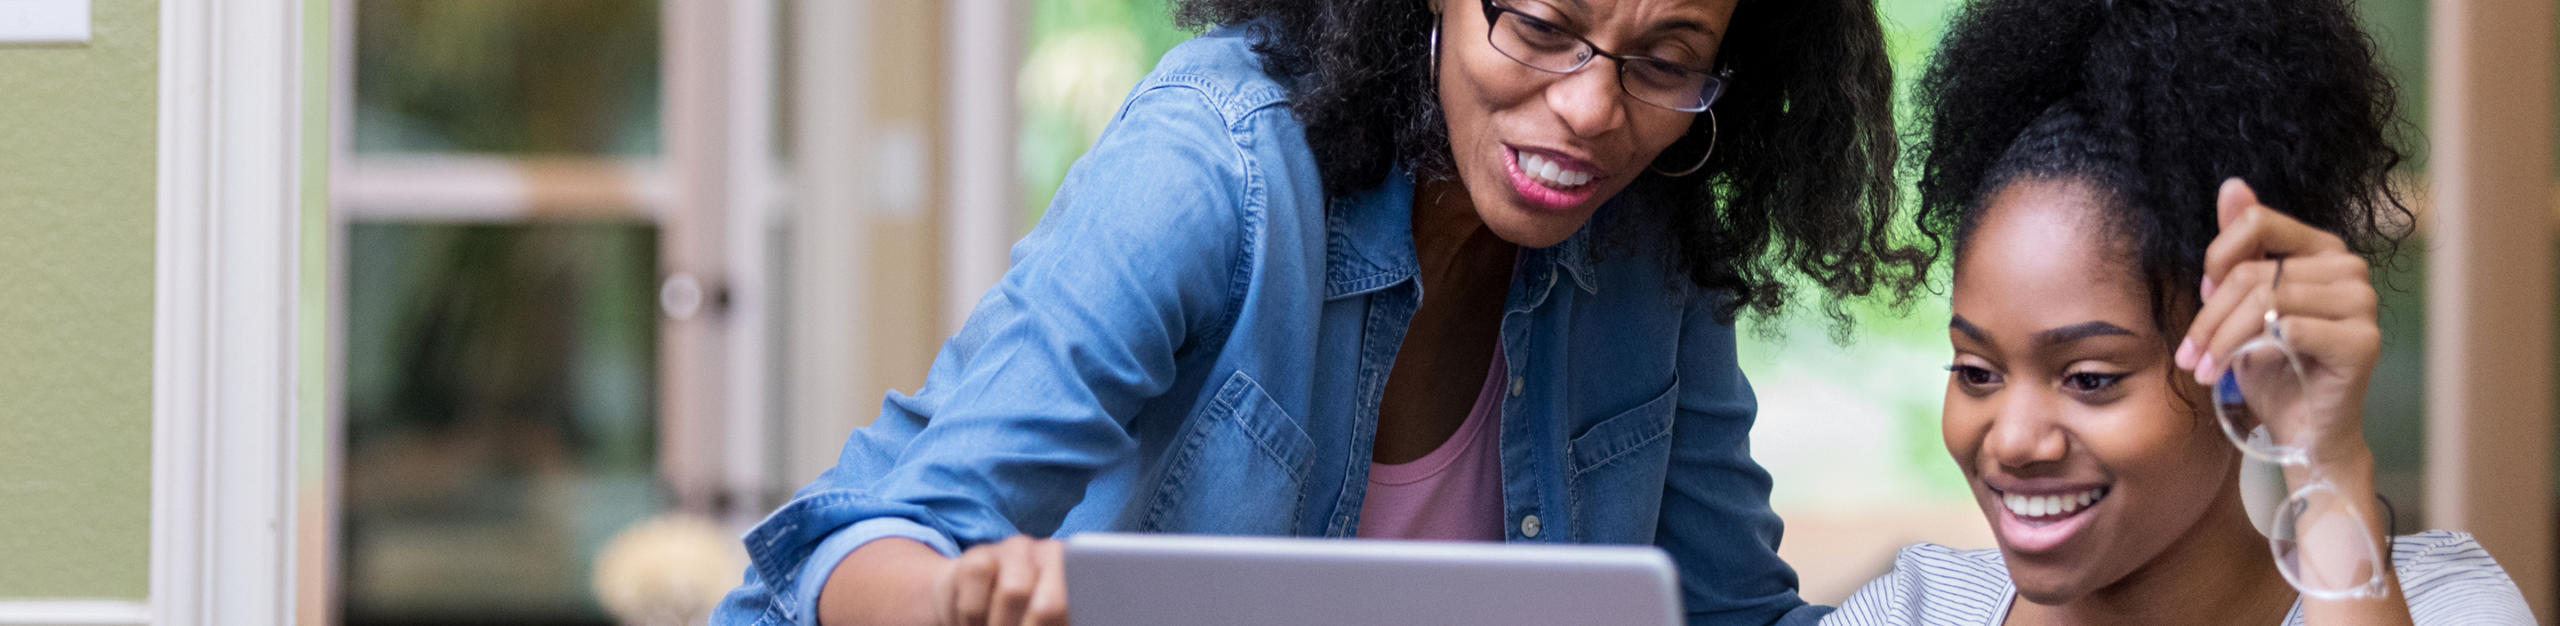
2322, 293
2323, 298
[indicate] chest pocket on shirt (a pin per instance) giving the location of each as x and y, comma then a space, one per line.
1618, 470
1239, 467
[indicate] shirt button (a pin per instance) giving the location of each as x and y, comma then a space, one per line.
1516, 384
1529, 526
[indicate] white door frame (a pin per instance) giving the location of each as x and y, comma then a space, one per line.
224, 325
225, 319
716, 358
982, 188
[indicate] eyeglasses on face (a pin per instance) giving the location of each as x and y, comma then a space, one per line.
1548, 47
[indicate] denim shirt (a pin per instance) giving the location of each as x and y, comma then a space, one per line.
1195, 339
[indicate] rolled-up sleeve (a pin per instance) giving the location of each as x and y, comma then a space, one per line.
1135, 257
822, 561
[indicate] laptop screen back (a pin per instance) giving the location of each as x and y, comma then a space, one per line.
1179, 580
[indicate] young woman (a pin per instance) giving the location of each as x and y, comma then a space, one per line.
1451, 269
2119, 289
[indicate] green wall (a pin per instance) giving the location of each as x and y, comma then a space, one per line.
77, 163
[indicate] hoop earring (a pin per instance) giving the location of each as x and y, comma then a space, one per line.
1712, 132
1434, 54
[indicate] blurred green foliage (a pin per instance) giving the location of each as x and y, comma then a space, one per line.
507, 76
1085, 56
501, 416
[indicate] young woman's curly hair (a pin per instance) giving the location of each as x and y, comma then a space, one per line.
2154, 103
1799, 191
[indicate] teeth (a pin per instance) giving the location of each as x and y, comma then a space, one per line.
1549, 173
2042, 506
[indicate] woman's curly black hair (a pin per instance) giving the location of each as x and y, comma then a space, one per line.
1800, 188
2154, 103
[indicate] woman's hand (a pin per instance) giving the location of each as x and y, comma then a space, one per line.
1018, 581
2327, 307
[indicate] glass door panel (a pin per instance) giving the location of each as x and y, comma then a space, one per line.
501, 418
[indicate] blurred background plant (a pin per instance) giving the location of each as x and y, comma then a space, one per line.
507, 76
501, 421
1085, 57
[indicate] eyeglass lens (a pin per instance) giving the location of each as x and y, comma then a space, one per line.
1542, 45
2322, 543
2264, 385
2324, 547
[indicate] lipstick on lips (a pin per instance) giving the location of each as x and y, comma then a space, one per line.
1548, 181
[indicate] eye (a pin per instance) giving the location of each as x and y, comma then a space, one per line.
1543, 35
1975, 381
1679, 53
1665, 76
2091, 382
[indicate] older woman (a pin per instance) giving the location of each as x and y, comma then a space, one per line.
1444, 269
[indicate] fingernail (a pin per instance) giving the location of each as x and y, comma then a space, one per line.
2207, 291
2186, 353
2204, 369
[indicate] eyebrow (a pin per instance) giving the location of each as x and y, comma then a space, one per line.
1960, 324
1688, 25
2066, 334
2076, 332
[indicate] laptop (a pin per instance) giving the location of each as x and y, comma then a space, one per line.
1118, 579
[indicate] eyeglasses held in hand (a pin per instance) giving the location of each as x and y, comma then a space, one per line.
2322, 544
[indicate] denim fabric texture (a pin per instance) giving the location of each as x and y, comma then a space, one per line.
1195, 339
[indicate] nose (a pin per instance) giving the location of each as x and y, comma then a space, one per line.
2026, 431
1588, 100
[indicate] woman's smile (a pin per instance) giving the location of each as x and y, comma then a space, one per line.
1538, 150
1549, 181
2036, 518
2062, 405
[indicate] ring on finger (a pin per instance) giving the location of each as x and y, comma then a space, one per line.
2272, 318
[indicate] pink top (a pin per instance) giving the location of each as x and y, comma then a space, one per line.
1455, 492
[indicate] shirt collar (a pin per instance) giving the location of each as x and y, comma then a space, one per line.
1369, 239
1369, 242
1574, 254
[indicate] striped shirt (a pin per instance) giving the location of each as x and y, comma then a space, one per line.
2447, 577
